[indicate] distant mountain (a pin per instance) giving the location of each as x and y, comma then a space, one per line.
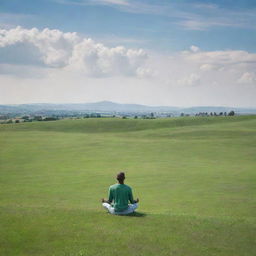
103, 106
108, 106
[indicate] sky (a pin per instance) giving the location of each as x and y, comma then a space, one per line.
174, 53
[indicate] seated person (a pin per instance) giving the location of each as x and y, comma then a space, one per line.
121, 194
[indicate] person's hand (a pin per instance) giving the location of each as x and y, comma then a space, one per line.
137, 200
102, 200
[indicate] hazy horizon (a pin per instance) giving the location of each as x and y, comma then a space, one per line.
127, 103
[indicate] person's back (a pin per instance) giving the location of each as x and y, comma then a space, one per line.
121, 194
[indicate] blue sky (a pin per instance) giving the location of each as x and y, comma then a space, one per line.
161, 25
179, 53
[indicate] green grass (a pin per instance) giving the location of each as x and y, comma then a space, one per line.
196, 179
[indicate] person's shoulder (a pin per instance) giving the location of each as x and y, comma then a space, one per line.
128, 187
113, 186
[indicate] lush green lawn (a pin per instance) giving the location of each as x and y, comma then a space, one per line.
195, 177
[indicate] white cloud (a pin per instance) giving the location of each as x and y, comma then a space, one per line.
144, 72
95, 2
247, 78
204, 23
50, 65
191, 80
201, 68
49, 47
194, 48
54, 48
98, 60
220, 58
73, 53
114, 2
130, 6
208, 67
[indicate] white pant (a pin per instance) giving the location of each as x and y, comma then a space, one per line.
131, 208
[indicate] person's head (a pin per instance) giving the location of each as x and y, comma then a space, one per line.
120, 177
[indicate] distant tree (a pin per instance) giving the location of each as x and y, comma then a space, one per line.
124, 117
38, 118
215, 114
9, 121
135, 117
221, 113
50, 118
182, 114
3, 117
86, 116
211, 114
231, 113
152, 115
225, 113
25, 117
17, 121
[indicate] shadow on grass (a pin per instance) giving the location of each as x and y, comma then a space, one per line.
136, 214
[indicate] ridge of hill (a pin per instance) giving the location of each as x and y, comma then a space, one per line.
108, 106
101, 125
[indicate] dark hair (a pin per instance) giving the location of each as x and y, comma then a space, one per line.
120, 176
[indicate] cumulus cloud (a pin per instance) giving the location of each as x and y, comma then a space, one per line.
224, 67
182, 78
49, 47
99, 60
56, 49
207, 68
69, 52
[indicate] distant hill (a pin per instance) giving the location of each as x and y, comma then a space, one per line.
108, 106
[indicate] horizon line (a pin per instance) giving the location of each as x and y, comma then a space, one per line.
108, 101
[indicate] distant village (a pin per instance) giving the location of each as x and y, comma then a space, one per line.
58, 115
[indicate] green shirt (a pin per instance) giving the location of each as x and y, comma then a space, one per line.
121, 194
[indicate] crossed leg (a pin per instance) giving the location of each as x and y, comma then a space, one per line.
131, 208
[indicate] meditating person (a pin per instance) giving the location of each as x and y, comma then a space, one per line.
121, 195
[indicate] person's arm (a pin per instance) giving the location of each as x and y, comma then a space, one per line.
110, 197
103, 200
131, 198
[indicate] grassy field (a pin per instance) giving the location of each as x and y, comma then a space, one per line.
195, 177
